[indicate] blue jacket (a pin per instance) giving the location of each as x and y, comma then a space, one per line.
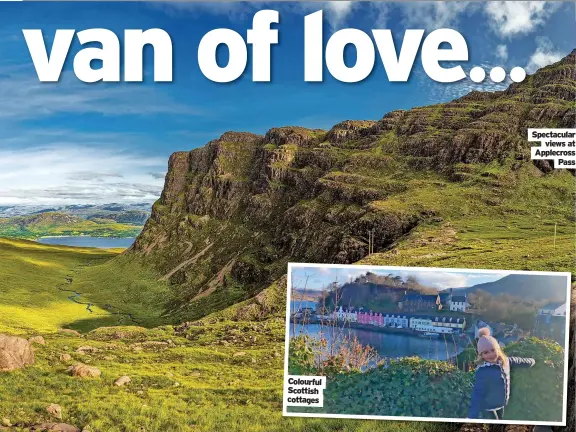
492, 386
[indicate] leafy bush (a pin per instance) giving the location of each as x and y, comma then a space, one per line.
302, 355
536, 394
409, 387
414, 387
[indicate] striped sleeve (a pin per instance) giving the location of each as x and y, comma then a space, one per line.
522, 362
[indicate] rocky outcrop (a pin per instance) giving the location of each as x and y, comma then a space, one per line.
234, 212
296, 135
352, 130
15, 353
54, 410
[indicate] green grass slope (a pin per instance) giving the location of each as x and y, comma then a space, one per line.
219, 375
222, 379
497, 219
30, 277
442, 186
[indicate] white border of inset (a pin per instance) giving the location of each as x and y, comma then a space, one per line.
568, 276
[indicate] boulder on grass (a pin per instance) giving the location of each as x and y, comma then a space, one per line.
122, 380
15, 353
84, 371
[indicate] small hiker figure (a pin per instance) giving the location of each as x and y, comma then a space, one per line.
492, 382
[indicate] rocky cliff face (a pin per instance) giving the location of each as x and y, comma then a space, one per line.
234, 212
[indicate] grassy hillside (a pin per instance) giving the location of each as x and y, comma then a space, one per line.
497, 219
30, 277
62, 224
37, 280
220, 375
203, 384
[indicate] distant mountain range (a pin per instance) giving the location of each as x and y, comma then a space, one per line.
136, 213
107, 220
306, 294
528, 287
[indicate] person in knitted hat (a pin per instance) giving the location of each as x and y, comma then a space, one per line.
492, 380
484, 331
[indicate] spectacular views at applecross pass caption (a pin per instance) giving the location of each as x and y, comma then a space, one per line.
161, 164
374, 342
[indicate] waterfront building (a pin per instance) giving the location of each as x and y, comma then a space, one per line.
458, 303
554, 309
396, 320
437, 324
348, 315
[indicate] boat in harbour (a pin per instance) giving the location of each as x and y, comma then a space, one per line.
431, 334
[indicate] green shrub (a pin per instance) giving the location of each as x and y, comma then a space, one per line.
409, 387
536, 394
413, 387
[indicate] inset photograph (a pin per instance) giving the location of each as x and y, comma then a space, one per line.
411, 343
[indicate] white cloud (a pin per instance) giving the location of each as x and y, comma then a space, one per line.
321, 276
380, 11
64, 173
544, 55
502, 52
435, 14
509, 18
436, 279
337, 12
445, 92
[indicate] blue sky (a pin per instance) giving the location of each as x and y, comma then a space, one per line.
71, 142
318, 277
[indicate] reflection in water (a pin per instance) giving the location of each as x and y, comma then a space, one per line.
387, 344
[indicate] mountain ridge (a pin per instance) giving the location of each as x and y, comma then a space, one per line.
233, 213
528, 287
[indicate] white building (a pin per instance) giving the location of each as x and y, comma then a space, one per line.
554, 309
396, 319
419, 322
434, 324
451, 322
349, 315
433, 329
458, 303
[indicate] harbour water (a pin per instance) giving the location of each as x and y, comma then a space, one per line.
388, 345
